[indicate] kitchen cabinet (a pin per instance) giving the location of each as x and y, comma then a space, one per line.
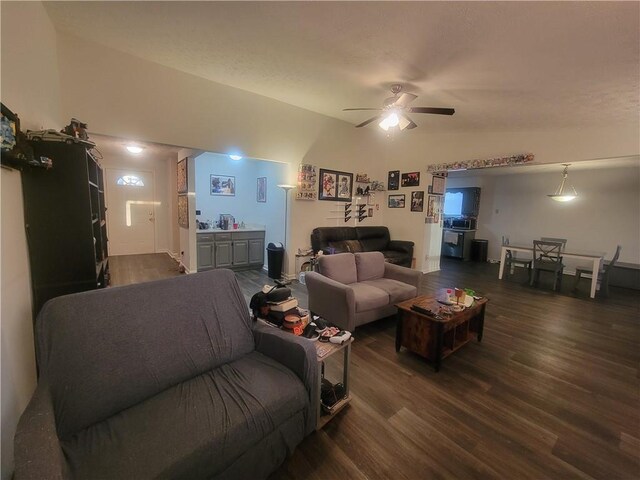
230, 249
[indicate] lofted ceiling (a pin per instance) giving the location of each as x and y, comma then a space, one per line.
501, 65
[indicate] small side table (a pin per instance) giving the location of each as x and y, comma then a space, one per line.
345, 348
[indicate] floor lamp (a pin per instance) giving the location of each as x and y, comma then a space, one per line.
286, 189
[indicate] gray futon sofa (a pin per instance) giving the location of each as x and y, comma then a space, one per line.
166, 379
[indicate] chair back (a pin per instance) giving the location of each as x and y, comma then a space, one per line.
563, 241
545, 251
614, 259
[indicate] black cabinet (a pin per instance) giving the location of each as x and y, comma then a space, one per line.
457, 243
64, 210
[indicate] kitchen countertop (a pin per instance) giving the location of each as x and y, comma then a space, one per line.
460, 230
231, 230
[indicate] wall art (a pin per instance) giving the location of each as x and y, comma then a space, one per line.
437, 185
396, 201
417, 201
223, 185
486, 163
335, 185
183, 186
183, 211
393, 180
262, 190
306, 182
411, 179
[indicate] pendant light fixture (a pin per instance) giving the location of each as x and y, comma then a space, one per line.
561, 194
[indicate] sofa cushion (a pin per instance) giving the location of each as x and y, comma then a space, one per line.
368, 297
369, 265
195, 429
397, 291
340, 267
159, 334
321, 236
396, 257
374, 238
344, 246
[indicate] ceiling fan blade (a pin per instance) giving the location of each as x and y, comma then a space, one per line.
434, 110
349, 109
367, 122
405, 99
406, 123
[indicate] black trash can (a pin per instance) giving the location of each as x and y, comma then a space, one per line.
479, 250
275, 255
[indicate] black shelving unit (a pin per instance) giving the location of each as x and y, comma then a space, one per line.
65, 223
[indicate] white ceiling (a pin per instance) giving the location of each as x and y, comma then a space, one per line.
501, 65
116, 147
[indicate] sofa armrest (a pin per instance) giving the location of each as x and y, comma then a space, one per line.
298, 355
401, 246
403, 274
332, 300
37, 451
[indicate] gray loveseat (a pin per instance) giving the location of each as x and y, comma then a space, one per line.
350, 289
166, 379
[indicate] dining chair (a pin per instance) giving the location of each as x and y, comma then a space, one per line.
511, 261
603, 274
547, 257
563, 241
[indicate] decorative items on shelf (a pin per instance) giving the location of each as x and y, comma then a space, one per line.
487, 163
377, 186
16, 150
347, 212
362, 191
362, 178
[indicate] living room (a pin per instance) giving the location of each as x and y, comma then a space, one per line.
79, 61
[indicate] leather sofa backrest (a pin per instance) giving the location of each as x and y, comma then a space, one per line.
373, 238
340, 267
103, 351
369, 265
321, 237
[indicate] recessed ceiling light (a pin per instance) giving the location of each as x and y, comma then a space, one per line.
135, 149
235, 157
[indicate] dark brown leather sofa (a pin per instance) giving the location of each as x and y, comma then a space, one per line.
362, 239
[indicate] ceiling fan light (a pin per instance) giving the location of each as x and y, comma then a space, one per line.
393, 120
562, 198
404, 122
384, 124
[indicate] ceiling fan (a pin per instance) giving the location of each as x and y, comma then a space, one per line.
394, 110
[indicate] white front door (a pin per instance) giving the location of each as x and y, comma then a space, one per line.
130, 211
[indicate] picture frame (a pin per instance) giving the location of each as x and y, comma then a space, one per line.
335, 185
261, 190
396, 201
307, 179
437, 185
393, 180
183, 186
410, 179
222, 185
183, 211
417, 201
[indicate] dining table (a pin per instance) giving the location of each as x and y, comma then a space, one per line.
596, 258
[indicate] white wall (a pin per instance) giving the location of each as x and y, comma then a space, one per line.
419, 148
605, 214
244, 205
146, 101
30, 87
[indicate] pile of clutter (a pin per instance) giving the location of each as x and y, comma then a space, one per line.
275, 306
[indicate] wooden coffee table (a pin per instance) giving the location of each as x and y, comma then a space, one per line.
433, 338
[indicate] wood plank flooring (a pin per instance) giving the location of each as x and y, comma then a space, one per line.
552, 392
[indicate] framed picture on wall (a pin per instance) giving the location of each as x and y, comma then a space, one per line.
417, 201
396, 201
411, 179
183, 211
183, 186
335, 185
223, 185
262, 190
393, 180
437, 185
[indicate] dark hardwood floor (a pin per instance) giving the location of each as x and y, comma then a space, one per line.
551, 392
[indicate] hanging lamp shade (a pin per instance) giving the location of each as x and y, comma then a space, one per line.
564, 194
